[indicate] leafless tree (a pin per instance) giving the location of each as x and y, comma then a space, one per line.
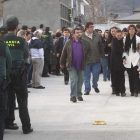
95, 12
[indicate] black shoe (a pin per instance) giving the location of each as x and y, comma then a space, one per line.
73, 99
29, 86
80, 99
12, 126
28, 131
108, 79
117, 94
86, 93
66, 82
113, 91
136, 94
40, 87
45, 75
132, 94
123, 94
104, 80
96, 90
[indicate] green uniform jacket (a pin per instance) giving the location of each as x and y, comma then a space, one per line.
66, 56
97, 46
5, 60
18, 55
47, 41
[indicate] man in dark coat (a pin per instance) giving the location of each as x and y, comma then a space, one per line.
117, 64
47, 41
59, 47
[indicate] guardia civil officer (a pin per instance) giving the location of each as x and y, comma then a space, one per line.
19, 52
5, 65
47, 42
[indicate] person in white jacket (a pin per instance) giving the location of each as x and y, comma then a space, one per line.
130, 59
37, 55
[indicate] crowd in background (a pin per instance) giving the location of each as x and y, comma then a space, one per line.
79, 53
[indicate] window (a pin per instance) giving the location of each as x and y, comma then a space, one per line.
64, 12
64, 23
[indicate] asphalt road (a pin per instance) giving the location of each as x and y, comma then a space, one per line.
54, 117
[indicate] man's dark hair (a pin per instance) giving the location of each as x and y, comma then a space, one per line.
11, 27
124, 30
58, 34
41, 25
73, 31
99, 30
27, 33
88, 24
47, 29
33, 29
24, 27
63, 28
3, 29
138, 26
118, 31
66, 29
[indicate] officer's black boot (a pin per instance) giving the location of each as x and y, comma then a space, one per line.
113, 90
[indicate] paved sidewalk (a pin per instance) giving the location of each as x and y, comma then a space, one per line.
54, 117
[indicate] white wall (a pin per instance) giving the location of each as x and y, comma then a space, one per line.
104, 27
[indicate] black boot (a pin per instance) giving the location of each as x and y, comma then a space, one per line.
123, 94
136, 94
117, 94
113, 90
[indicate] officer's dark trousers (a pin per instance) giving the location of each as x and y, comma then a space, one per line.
2, 115
45, 68
119, 81
46, 62
133, 79
3, 107
20, 88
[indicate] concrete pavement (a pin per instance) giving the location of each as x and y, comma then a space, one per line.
54, 117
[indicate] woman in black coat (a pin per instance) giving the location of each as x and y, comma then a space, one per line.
116, 64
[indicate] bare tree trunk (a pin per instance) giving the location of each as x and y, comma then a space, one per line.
92, 8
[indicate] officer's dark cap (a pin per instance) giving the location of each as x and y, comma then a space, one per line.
12, 21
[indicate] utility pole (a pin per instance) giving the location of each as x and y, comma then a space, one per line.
133, 6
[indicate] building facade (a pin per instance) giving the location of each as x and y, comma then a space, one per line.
52, 13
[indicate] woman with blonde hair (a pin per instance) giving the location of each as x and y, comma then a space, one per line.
21, 33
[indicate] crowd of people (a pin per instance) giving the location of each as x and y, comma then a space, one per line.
27, 54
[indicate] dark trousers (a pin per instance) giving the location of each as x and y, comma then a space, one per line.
20, 88
113, 78
46, 62
66, 74
45, 68
30, 71
2, 116
3, 107
119, 81
133, 79
58, 65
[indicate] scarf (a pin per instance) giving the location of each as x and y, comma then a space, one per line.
128, 43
